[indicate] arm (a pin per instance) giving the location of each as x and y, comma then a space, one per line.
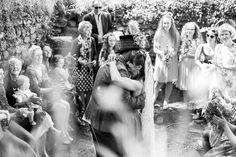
124, 82
132, 102
228, 128
3, 101
197, 55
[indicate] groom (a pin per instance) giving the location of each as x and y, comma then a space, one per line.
101, 120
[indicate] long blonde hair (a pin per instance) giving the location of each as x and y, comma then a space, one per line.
174, 34
197, 33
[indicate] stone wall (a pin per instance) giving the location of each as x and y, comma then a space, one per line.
22, 26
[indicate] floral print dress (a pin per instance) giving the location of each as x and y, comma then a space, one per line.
187, 63
226, 78
166, 69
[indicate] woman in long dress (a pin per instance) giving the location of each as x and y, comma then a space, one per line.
166, 46
190, 38
226, 61
204, 58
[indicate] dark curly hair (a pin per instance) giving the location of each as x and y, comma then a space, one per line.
105, 47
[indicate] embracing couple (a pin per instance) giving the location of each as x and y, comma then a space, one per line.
116, 103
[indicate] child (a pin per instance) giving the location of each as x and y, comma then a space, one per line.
22, 94
59, 73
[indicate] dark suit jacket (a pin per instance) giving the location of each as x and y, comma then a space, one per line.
106, 23
103, 120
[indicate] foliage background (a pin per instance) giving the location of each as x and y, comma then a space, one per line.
25, 22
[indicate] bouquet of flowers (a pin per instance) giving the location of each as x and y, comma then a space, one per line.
168, 53
185, 48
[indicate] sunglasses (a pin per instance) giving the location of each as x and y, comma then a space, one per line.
211, 36
98, 7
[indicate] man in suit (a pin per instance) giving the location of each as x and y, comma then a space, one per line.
101, 22
102, 120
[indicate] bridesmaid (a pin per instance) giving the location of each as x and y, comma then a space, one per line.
166, 45
190, 38
204, 58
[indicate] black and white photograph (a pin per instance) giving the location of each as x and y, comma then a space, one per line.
117, 78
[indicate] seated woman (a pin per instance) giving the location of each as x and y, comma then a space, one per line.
40, 84
14, 131
217, 141
39, 132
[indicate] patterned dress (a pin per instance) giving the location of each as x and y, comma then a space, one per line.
187, 63
226, 78
82, 75
166, 69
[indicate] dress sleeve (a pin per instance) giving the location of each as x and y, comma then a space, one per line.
34, 87
3, 101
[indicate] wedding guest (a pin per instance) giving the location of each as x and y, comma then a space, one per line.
108, 47
204, 58
39, 132
166, 46
225, 61
101, 25
84, 51
22, 94
191, 38
47, 54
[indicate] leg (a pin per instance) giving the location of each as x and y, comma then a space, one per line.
81, 109
168, 90
205, 141
21, 133
156, 90
41, 145
106, 144
17, 145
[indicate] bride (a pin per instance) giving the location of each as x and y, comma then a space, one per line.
139, 87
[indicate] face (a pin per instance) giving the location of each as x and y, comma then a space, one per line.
133, 69
225, 36
38, 56
111, 41
190, 30
97, 6
15, 67
210, 37
25, 85
166, 23
60, 63
47, 52
87, 31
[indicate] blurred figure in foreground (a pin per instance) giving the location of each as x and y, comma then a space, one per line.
103, 115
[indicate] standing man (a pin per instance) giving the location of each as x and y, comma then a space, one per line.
102, 24
101, 119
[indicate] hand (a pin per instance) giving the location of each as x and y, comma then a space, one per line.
220, 121
35, 100
111, 58
23, 111
100, 39
82, 61
94, 62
